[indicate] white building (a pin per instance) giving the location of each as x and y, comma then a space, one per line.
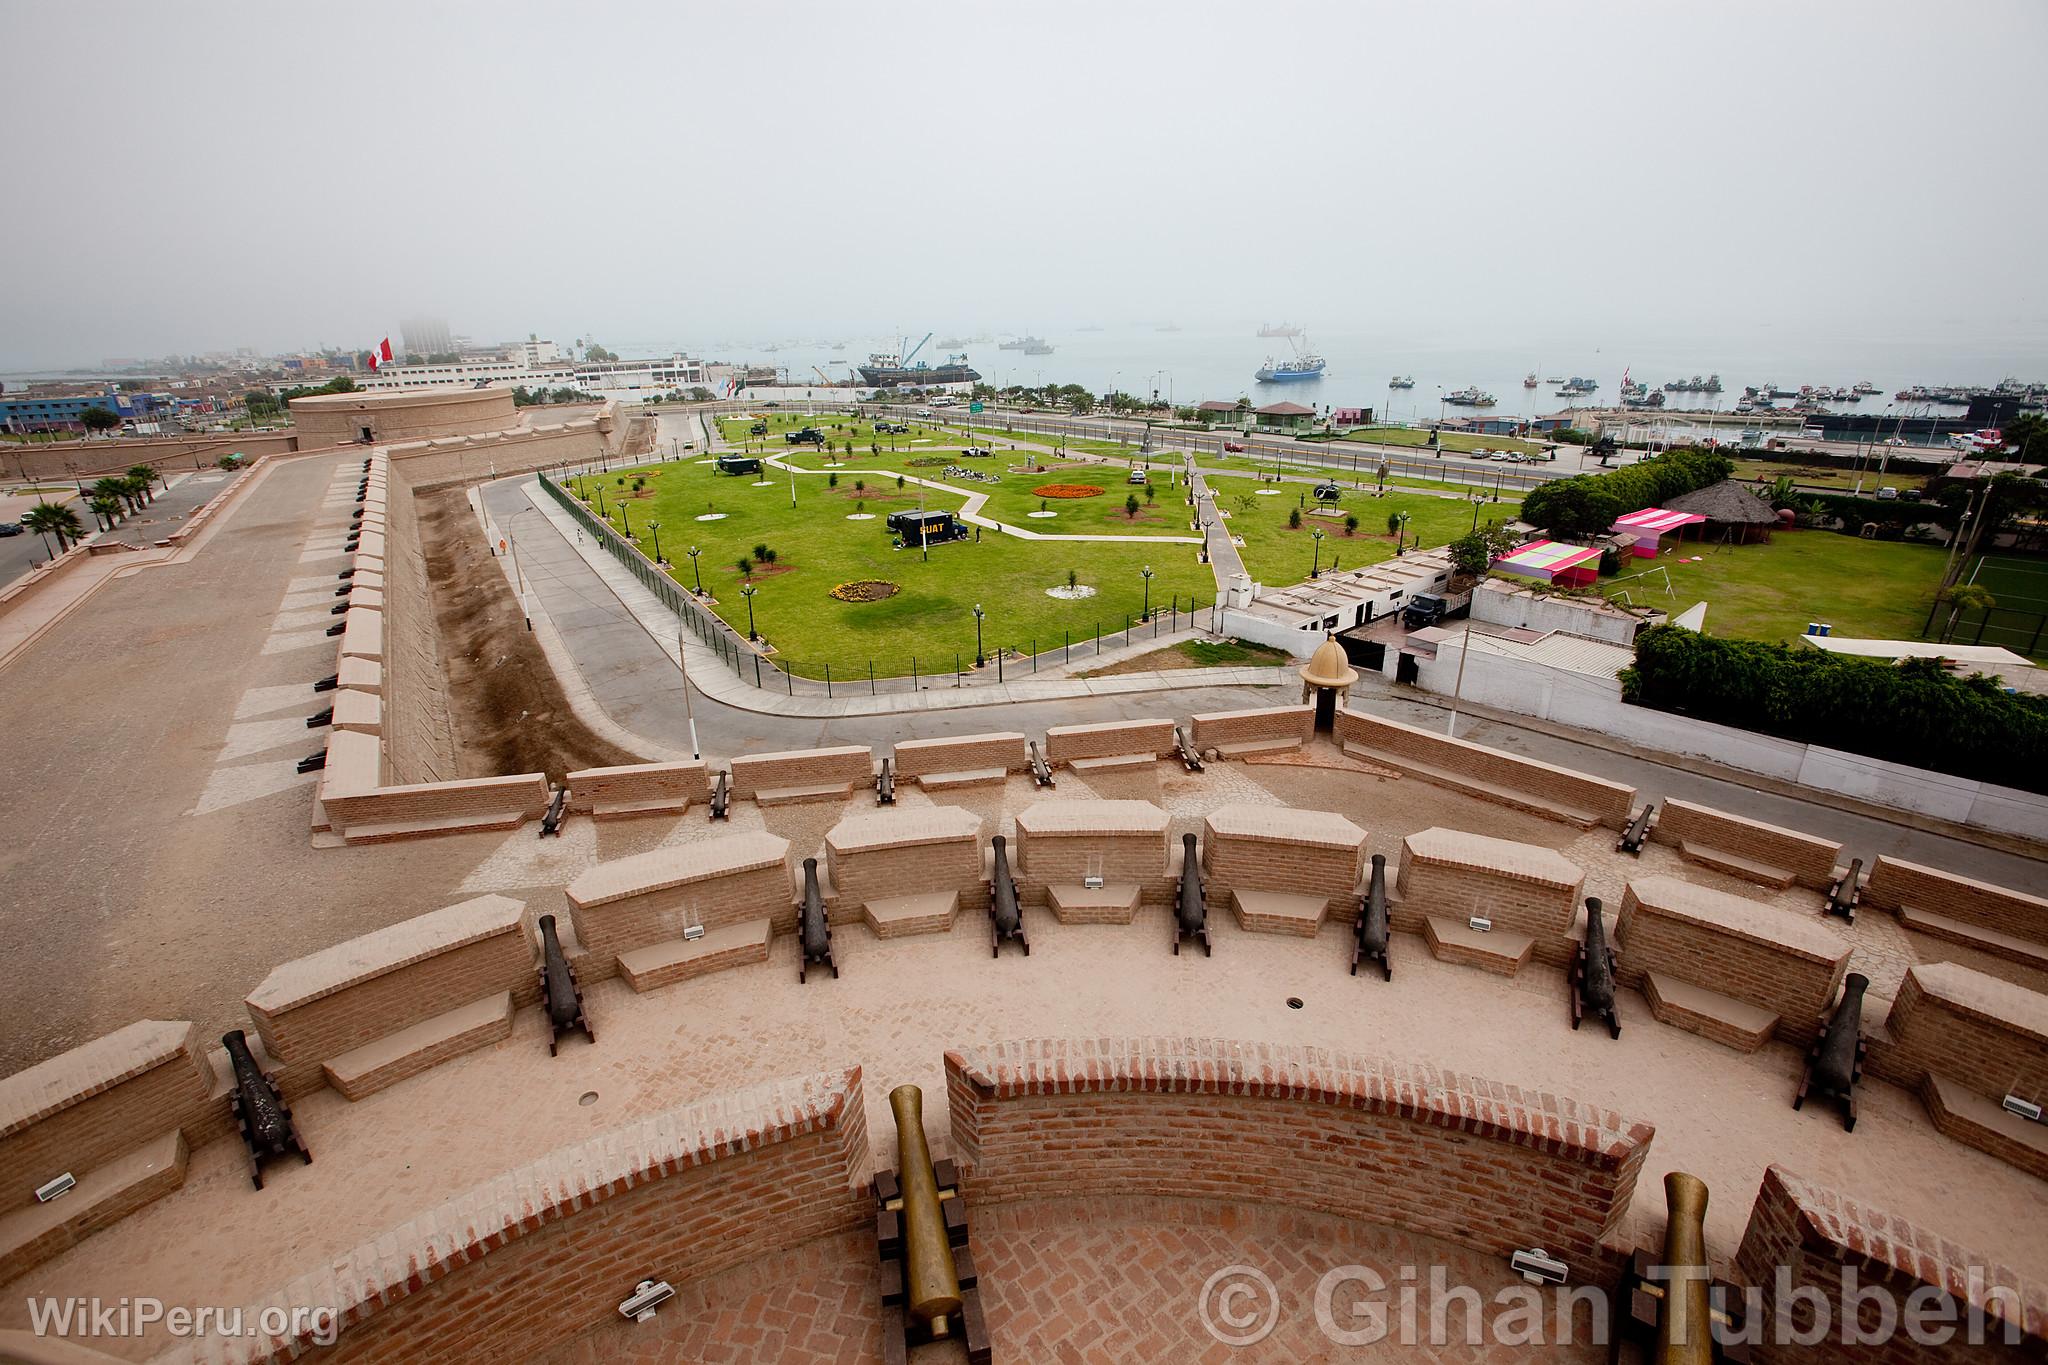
538, 365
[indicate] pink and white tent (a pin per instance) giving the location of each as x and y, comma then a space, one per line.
1651, 523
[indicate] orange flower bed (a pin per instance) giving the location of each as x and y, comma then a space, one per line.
1066, 490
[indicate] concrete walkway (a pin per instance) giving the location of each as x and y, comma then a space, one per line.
568, 576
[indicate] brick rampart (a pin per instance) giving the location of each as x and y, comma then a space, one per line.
969, 753
905, 851
1818, 1236
1543, 786
637, 782
1413, 1147
541, 1254
1896, 884
1214, 729
1809, 860
651, 897
1272, 848
1058, 843
756, 773
1773, 959
1522, 888
1111, 739
321, 1005
1962, 1024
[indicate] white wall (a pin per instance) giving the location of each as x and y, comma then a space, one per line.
1591, 703
1504, 606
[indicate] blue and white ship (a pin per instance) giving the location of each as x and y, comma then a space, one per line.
1305, 365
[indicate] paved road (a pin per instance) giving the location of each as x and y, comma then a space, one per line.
19, 554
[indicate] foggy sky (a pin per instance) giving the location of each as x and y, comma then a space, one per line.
197, 176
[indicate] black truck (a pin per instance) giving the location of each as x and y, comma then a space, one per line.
808, 436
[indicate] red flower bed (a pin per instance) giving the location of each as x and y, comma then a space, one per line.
1066, 490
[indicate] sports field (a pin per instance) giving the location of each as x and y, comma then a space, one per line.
2020, 588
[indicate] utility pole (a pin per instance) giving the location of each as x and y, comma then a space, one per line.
689, 707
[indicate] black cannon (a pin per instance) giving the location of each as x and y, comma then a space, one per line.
1844, 894
1190, 914
885, 783
337, 609
262, 1116
721, 794
1370, 944
344, 590
1041, 771
1836, 1062
337, 628
313, 763
551, 820
816, 930
346, 574
1591, 981
328, 683
1005, 918
320, 718
559, 989
1631, 840
1185, 747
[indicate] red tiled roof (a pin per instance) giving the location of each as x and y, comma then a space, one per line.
1285, 410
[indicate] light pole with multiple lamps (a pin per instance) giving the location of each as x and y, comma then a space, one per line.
695, 573
1146, 574
1316, 565
979, 657
655, 527
747, 591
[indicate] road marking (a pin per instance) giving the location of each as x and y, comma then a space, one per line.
249, 782
262, 701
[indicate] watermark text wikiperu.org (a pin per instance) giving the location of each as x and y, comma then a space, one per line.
88, 1318
1357, 1305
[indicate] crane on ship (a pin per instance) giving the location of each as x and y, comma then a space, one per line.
912, 355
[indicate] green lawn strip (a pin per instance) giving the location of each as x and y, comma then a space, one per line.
1408, 436
1832, 479
931, 617
1867, 588
1276, 553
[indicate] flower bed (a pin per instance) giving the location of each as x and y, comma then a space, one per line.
1066, 490
865, 590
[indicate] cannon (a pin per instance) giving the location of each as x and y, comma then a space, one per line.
1041, 771
1835, 1063
1185, 747
1844, 894
328, 683
1591, 980
1190, 914
1371, 940
885, 783
558, 988
337, 628
1631, 840
262, 1116
930, 1287
1669, 1303
338, 609
320, 718
551, 819
815, 929
1005, 918
313, 763
721, 794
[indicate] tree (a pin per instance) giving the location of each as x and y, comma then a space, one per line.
2027, 435
1351, 525
55, 519
599, 353
1473, 554
1131, 506
1294, 518
144, 476
1150, 492
97, 418
1073, 578
1961, 598
110, 490
761, 553
341, 383
745, 566
105, 508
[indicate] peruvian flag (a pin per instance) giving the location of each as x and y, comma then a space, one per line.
373, 360
384, 350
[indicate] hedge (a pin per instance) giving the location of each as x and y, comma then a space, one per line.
1587, 504
1915, 713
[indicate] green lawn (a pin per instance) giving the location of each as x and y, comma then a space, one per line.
1877, 589
1408, 436
1278, 554
930, 618
1828, 477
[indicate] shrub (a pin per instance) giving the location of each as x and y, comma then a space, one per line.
1294, 518
1930, 718
1587, 504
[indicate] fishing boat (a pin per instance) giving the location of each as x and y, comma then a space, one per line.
1864, 387
1401, 381
1470, 398
1306, 364
1529, 380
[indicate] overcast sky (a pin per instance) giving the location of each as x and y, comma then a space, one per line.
192, 176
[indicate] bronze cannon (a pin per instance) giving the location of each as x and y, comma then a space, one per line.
559, 989
262, 1116
931, 1289
1372, 936
1592, 974
1685, 1333
1006, 919
814, 928
1190, 914
1836, 1062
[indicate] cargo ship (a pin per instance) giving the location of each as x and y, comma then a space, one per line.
887, 371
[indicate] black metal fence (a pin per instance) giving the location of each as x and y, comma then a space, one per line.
1001, 660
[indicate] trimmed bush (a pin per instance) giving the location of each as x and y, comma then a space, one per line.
1587, 504
1916, 713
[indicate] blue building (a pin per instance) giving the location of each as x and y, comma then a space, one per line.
65, 412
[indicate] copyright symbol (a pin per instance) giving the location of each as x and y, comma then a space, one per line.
1239, 1305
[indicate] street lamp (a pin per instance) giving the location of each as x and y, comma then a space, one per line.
1316, 566
747, 591
1146, 574
655, 527
979, 660
695, 572
602, 514
626, 519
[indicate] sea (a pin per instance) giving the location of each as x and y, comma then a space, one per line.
1189, 364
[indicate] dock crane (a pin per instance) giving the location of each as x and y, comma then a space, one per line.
915, 349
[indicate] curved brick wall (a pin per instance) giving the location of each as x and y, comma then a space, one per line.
546, 1251
1476, 1162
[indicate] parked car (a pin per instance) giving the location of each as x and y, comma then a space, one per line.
1136, 476
758, 429
976, 453
808, 436
1234, 447
1424, 609
1482, 453
9, 528
1887, 493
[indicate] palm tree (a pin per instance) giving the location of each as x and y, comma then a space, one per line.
1964, 597
55, 519
137, 492
144, 475
108, 490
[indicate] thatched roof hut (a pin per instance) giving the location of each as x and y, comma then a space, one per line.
1728, 504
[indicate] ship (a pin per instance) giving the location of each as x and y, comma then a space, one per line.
1470, 398
1578, 384
1305, 365
1401, 381
1036, 346
1279, 329
1865, 388
887, 371
952, 344
1013, 344
1711, 384
1529, 380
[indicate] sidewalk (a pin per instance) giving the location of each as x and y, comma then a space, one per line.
566, 600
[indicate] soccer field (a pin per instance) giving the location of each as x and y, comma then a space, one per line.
2020, 587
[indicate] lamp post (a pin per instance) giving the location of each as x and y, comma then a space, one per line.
655, 527
1316, 565
695, 571
602, 514
979, 659
626, 519
1146, 574
747, 591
